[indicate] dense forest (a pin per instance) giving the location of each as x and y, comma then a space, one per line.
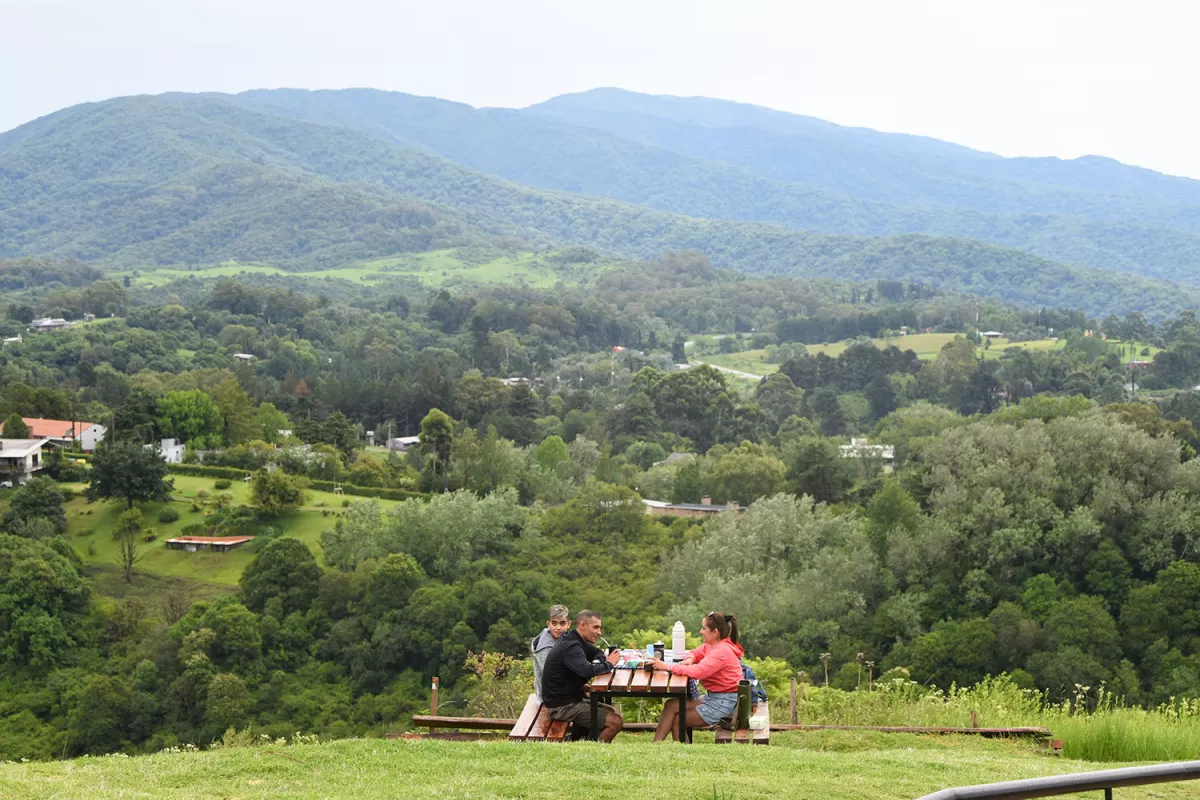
304, 183
1039, 518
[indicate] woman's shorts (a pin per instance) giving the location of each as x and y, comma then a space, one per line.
716, 705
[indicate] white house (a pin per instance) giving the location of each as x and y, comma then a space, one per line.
20, 458
863, 449
63, 432
49, 324
401, 443
171, 450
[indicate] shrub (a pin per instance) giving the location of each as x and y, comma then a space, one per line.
168, 515
150, 535
224, 483
345, 504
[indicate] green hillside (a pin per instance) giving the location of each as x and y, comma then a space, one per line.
570, 150
184, 179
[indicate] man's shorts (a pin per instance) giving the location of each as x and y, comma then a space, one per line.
580, 714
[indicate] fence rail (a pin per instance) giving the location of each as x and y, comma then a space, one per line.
1106, 780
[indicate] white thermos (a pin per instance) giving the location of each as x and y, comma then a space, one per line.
678, 641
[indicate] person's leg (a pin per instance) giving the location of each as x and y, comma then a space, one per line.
666, 723
613, 724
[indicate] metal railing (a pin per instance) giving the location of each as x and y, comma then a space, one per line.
1106, 780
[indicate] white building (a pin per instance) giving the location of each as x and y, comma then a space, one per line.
49, 324
171, 450
401, 444
19, 459
863, 449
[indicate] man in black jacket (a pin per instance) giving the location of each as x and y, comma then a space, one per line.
573, 662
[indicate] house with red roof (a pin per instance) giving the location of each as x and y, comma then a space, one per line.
63, 431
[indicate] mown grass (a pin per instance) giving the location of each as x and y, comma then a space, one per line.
433, 268
90, 528
835, 766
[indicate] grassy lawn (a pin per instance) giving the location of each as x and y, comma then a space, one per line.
925, 345
90, 528
434, 268
834, 766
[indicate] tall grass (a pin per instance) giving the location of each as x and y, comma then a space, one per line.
1094, 725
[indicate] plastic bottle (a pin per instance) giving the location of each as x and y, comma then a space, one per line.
678, 641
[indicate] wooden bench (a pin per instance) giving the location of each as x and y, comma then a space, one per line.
535, 725
746, 735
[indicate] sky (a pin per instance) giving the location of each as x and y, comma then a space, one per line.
1020, 78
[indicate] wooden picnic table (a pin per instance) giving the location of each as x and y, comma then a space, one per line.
625, 682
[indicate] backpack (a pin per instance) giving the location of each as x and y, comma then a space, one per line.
758, 694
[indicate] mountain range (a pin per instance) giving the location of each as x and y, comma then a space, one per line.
306, 179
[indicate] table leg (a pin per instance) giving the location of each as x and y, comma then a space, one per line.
682, 735
594, 733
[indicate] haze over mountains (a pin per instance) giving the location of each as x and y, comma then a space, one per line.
313, 179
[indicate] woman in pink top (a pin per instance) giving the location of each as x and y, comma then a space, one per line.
717, 664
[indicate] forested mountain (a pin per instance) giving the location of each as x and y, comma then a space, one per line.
203, 178
720, 160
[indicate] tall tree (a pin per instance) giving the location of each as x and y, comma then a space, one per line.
128, 534
274, 491
15, 427
130, 472
437, 441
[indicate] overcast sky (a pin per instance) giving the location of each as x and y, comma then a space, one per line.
1017, 77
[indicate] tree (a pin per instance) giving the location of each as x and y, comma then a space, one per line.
45, 603
191, 417
269, 421
128, 534
15, 427
236, 409
130, 472
284, 569
274, 491
38, 498
437, 441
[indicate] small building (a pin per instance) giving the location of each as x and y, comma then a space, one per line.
171, 450
63, 432
19, 459
992, 335
1139, 363
370, 438
89, 317
48, 324
247, 357
13, 340
702, 509
214, 544
401, 444
863, 449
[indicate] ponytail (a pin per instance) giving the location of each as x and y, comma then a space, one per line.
724, 624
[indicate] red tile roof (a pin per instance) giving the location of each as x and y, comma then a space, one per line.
54, 428
211, 539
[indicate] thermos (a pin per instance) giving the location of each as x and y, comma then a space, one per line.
678, 641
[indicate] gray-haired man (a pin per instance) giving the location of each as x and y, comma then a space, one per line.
557, 622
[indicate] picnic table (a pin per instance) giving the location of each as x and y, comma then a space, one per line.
626, 682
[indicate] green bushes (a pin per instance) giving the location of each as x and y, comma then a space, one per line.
223, 483
168, 515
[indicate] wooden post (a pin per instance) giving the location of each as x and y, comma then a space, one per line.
433, 699
793, 702
974, 719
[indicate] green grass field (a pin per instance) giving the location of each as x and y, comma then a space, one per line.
830, 765
434, 268
90, 528
925, 345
